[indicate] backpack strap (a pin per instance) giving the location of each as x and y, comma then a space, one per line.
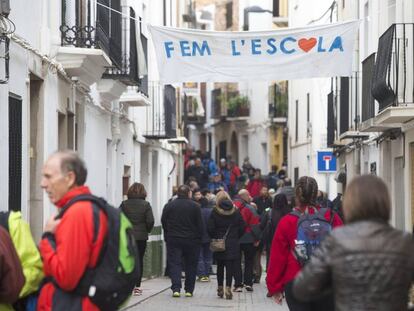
4, 220
97, 204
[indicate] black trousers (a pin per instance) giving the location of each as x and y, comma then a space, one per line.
231, 268
142, 246
246, 278
182, 252
325, 304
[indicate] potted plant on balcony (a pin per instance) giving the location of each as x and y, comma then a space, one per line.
238, 106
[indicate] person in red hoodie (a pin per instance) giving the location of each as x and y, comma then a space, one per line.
69, 245
255, 185
249, 241
283, 266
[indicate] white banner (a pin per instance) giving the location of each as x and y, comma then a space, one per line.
188, 55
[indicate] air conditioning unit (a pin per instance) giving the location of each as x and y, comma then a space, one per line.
5, 7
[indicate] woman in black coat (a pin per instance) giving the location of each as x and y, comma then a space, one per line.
139, 213
271, 220
225, 218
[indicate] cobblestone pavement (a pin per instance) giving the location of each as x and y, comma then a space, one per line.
157, 296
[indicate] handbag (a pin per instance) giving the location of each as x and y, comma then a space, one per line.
219, 245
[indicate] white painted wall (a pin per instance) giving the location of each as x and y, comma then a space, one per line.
302, 153
95, 126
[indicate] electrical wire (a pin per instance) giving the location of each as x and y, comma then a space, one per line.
330, 9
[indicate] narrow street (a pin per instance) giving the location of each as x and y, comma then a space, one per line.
157, 296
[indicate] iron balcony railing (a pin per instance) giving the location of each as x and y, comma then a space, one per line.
161, 116
393, 81
278, 100
128, 72
349, 103
368, 101
78, 30
237, 104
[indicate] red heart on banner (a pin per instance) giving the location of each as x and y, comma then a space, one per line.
307, 44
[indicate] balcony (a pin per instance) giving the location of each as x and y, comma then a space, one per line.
161, 116
89, 47
127, 73
218, 112
368, 123
194, 110
393, 80
278, 102
238, 106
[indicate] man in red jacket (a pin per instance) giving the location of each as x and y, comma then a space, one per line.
69, 246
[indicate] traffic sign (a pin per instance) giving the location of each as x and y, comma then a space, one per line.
326, 162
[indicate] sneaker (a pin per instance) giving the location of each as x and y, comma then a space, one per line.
205, 279
189, 295
249, 288
176, 294
238, 289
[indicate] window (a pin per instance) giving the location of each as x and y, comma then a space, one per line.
15, 152
229, 14
297, 121
276, 8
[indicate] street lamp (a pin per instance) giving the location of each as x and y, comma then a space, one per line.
252, 9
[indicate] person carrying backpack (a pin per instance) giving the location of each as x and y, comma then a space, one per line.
290, 248
81, 273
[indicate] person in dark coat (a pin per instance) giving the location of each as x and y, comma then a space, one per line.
226, 222
271, 219
206, 256
139, 213
367, 264
183, 228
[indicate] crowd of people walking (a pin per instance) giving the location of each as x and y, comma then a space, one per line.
320, 255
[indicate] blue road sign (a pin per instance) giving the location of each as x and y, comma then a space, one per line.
326, 162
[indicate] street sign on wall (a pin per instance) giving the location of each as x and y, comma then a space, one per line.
326, 162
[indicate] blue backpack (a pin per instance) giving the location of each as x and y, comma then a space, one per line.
311, 231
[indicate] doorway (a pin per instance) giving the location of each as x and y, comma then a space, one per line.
234, 147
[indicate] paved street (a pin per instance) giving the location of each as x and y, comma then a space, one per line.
157, 296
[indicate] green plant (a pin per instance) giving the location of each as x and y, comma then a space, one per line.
237, 102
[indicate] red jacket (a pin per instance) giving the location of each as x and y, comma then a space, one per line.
283, 266
71, 250
250, 217
254, 186
235, 174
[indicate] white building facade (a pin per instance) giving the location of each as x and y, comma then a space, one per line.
374, 133
83, 77
307, 120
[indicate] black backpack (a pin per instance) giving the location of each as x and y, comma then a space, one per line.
111, 282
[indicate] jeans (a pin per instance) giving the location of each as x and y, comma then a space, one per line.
257, 264
142, 246
205, 260
182, 252
325, 304
246, 278
231, 268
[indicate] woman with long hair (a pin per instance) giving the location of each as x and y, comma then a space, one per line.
226, 222
367, 264
283, 264
139, 213
271, 219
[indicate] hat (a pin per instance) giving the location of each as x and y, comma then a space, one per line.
226, 205
215, 174
222, 160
